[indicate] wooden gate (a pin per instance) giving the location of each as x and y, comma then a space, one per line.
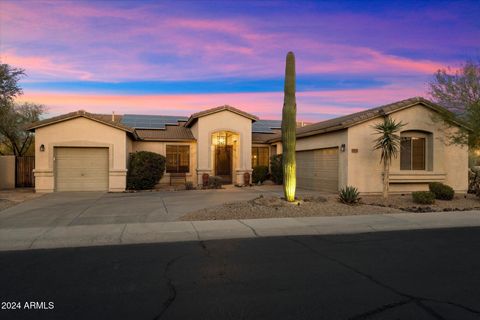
24, 171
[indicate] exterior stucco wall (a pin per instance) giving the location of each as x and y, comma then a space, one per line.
223, 121
129, 148
7, 172
450, 163
161, 148
79, 132
456, 167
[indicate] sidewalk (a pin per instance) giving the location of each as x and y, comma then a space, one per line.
116, 234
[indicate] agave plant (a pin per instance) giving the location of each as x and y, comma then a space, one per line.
388, 143
349, 195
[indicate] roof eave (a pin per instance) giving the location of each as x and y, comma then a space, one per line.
33, 127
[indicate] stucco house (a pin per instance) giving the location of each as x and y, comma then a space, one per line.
81, 151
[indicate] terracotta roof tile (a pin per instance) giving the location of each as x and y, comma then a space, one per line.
171, 133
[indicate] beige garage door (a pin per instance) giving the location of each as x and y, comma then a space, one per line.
81, 169
318, 169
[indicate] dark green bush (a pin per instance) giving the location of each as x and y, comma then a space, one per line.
441, 191
259, 174
215, 182
423, 197
276, 170
145, 169
349, 195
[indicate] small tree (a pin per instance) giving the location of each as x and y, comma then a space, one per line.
9, 88
13, 119
388, 143
459, 92
13, 116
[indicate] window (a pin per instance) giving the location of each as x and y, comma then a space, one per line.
412, 153
178, 159
259, 156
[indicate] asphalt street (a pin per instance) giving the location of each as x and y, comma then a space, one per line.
427, 274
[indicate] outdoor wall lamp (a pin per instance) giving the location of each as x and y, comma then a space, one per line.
42, 148
222, 140
342, 147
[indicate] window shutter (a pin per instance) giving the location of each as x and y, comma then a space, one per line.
406, 153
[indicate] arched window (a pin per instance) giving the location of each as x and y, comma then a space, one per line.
416, 150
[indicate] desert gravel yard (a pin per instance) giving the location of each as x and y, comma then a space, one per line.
274, 207
460, 202
271, 206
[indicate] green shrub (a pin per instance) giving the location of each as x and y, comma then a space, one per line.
423, 197
215, 182
276, 170
259, 174
145, 169
441, 191
349, 195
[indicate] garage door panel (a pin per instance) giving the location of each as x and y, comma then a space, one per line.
318, 169
81, 169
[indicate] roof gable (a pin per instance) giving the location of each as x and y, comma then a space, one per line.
353, 119
194, 117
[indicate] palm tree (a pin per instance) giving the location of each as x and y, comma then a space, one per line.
389, 143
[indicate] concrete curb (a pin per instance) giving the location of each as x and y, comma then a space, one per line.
134, 233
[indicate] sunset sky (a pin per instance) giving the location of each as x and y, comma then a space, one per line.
179, 57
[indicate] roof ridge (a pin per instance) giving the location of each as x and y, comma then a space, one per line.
349, 120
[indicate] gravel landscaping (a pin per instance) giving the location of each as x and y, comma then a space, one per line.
273, 206
461, 202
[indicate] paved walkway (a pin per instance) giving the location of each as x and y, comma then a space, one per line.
153, 232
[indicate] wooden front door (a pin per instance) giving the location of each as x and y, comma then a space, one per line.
223, 163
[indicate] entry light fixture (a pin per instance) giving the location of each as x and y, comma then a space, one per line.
42, 148
342, 147
222, 140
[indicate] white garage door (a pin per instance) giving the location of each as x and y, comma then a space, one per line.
81, 169
318, 169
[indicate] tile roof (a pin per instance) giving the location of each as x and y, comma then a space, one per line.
170, 133
102, 118
262, 137
203, 113
359, 117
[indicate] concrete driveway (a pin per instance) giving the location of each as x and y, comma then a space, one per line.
88, 208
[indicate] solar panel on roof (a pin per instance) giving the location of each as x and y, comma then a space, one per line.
150, 121
266, 126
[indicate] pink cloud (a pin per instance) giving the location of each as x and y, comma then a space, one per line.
187, 47
39, 66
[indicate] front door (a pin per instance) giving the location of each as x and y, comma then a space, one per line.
223, 163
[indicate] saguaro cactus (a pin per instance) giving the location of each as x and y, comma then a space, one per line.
289, 124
